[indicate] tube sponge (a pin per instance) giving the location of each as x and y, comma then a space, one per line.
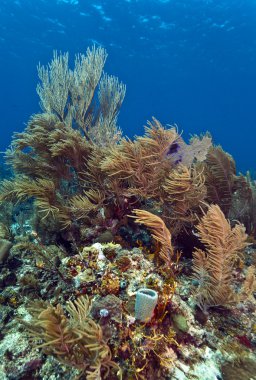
145, 303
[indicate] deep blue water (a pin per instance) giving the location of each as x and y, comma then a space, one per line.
190, 62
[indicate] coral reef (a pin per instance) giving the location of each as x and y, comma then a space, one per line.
89, 219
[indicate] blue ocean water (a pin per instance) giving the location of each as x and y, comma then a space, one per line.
189, 62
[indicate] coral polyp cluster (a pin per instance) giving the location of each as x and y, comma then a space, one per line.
121, 258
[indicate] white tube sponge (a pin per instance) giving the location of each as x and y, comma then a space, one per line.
145, 303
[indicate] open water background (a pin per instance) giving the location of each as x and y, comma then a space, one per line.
190, 62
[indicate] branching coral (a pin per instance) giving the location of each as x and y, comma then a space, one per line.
52, 155
140, 166
243, 203
220, 175
235, 194
47, 200
51, 144
76, 341
59, 162
56, 80
82, 205
70, 95
31, 151
213, 268
185, 190
147, 169
161, 234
